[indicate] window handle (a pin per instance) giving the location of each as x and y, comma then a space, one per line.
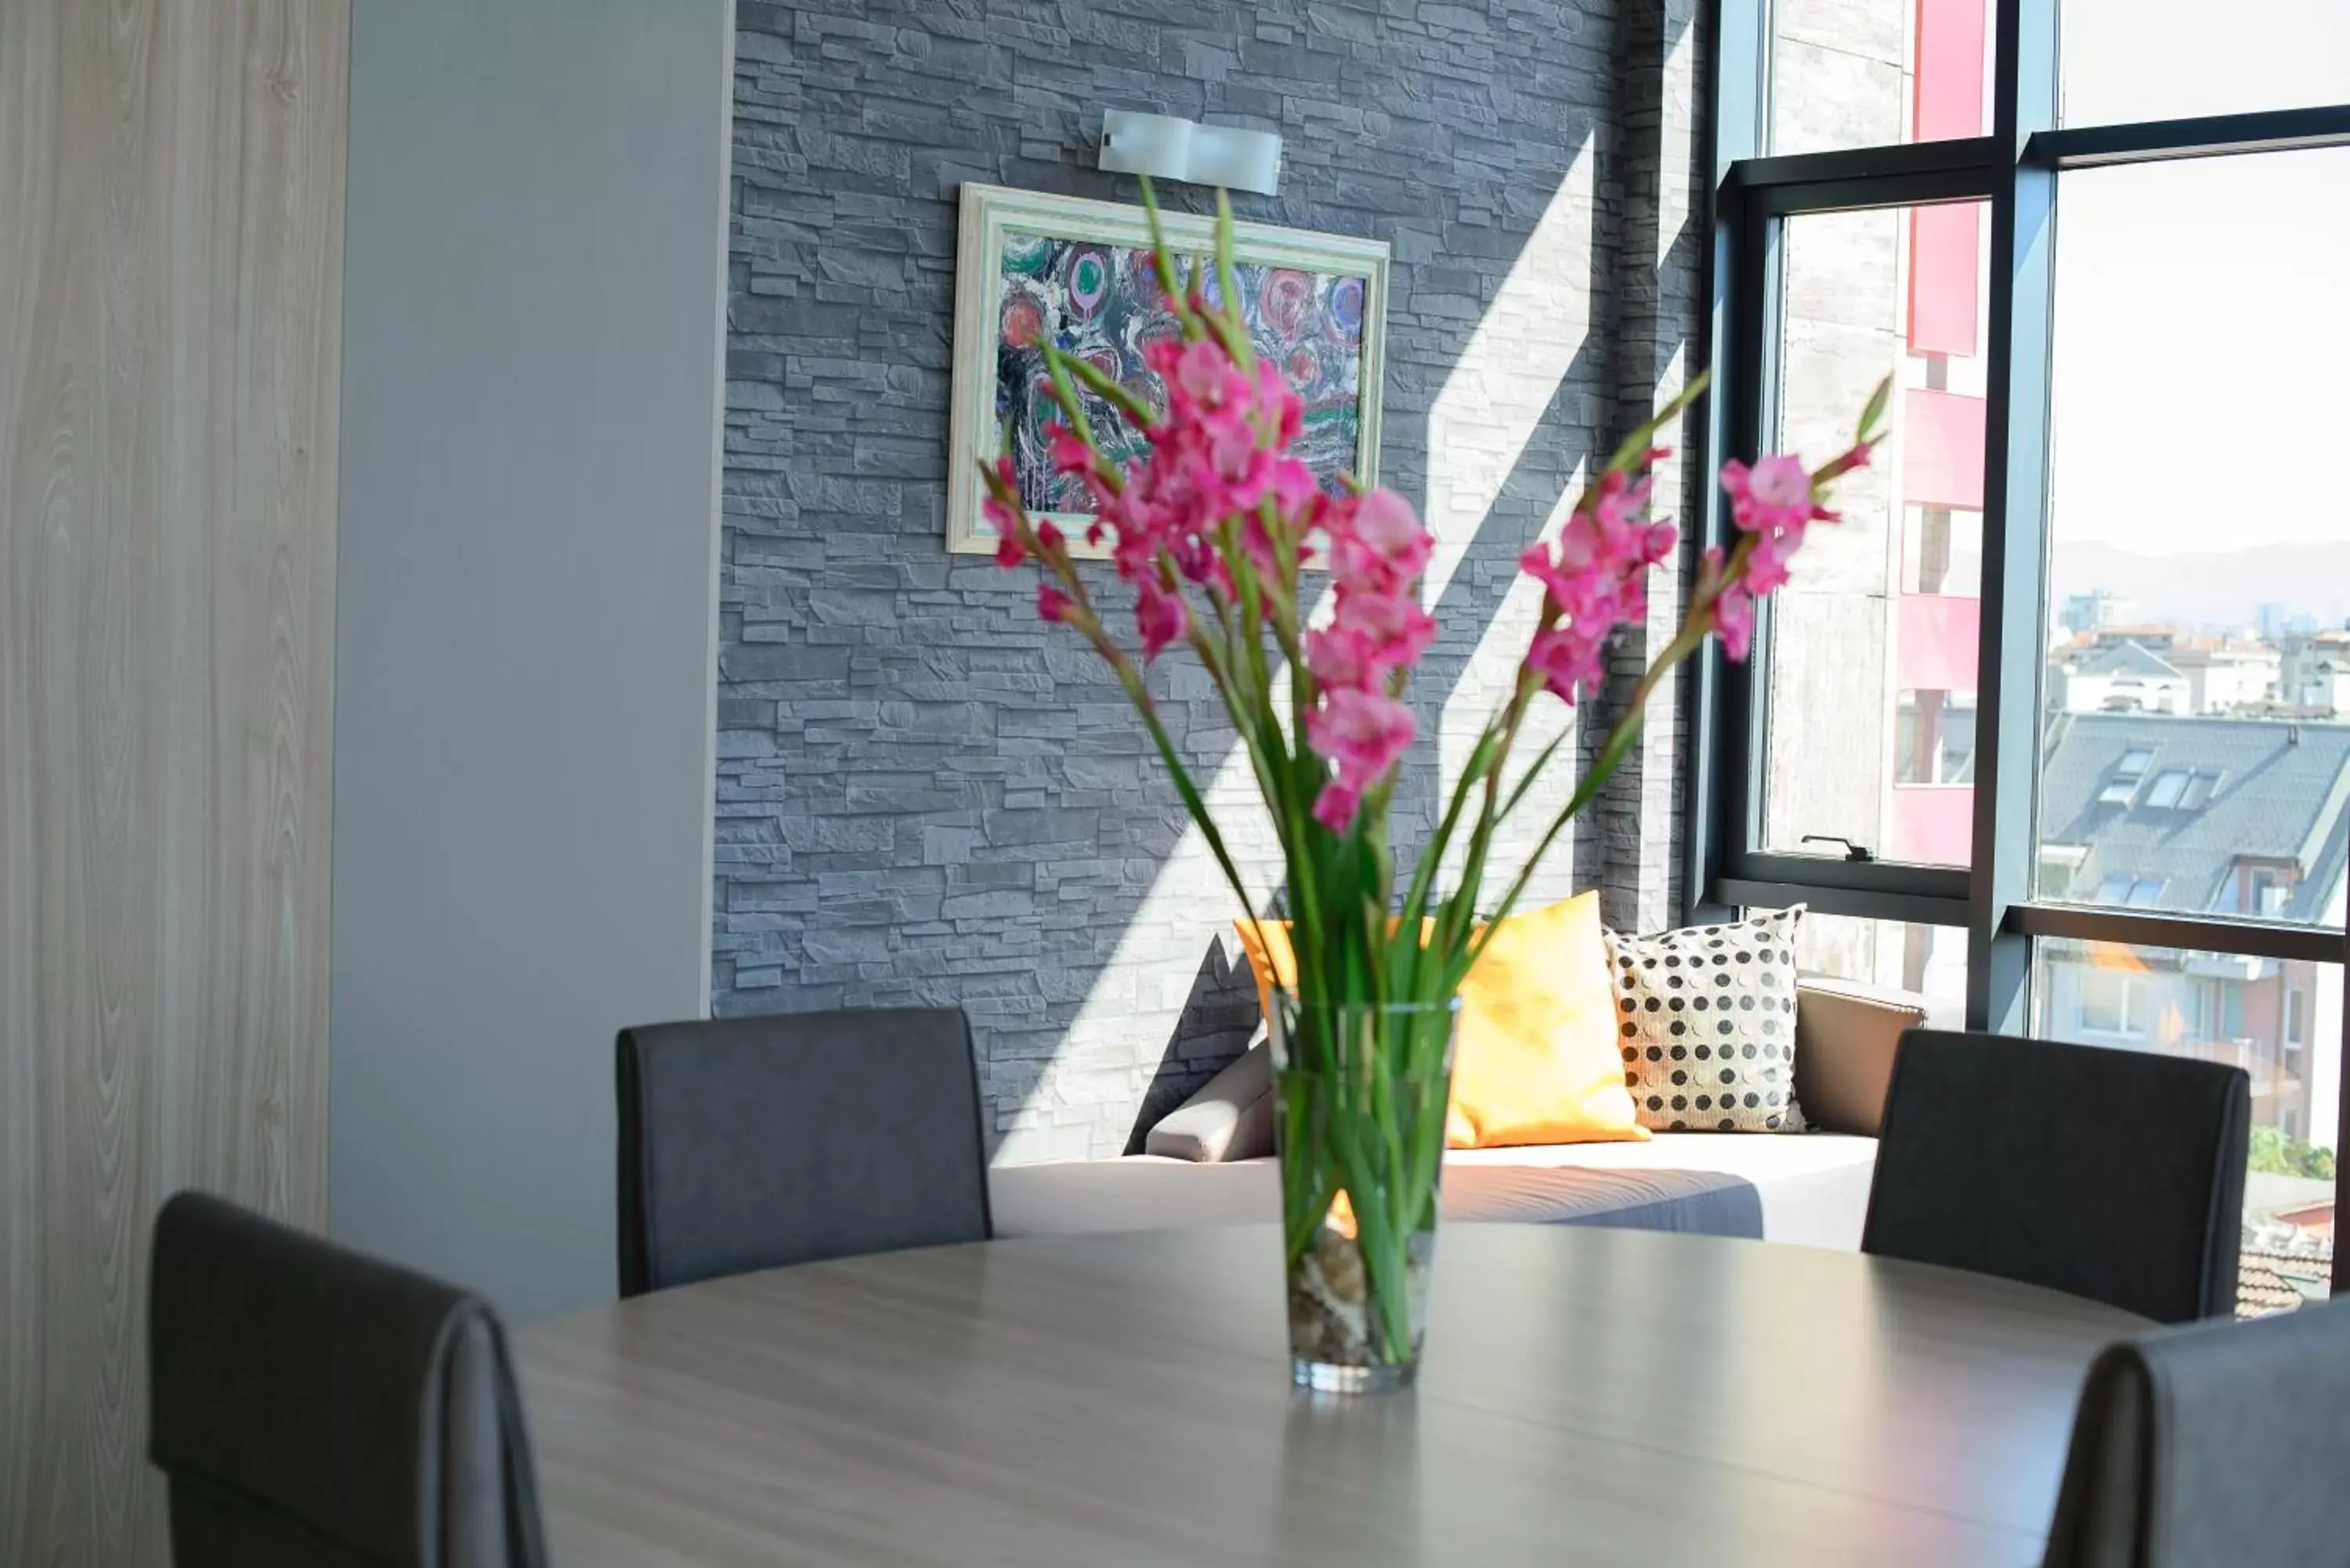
1851, 851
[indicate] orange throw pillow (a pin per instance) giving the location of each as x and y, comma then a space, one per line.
1535, 1059
1271, 960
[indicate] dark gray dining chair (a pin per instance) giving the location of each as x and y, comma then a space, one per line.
752, 1143
2213, 1446
312, 1406
2114, 1175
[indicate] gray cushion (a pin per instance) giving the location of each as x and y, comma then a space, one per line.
1699, 1202
313, 1406
754, 1143
2220, 1444
1846, 1037
1229, 1117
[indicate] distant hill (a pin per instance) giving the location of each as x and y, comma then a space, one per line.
2216, 589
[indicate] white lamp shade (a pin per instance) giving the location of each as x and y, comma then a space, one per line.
1240, 159
1165, 148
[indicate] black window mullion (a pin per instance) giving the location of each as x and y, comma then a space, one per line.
2190, 933
2007, 692
2209, 136
1909, 160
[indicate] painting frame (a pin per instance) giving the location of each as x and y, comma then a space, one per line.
991, 213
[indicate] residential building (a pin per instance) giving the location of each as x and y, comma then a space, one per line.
2211, 816
2086, 613
2314, 670
2228, 677
2120, 676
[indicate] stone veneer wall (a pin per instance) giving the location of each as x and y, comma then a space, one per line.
926, 798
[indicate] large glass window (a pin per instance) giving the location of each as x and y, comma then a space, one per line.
1865, 73
1925, 961
1871, 652
2195, 741
2117, 340
2166, 59
2247, 1012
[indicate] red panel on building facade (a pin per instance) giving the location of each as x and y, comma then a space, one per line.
1950, 69
1933, 824
1944, 253
1943, 241
1942, 449
1940, 636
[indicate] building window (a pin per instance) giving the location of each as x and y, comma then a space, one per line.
2295, 1001
2138, 892
2128, 773
2110, 1004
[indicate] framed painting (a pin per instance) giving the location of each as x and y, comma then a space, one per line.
1032, 268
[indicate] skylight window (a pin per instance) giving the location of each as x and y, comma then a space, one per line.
2170, 787
2127, 773
2137, 892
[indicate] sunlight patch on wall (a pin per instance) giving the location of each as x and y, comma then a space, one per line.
1502, 384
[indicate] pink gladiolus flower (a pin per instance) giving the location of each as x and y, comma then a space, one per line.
1205, 372
1766, 564
1376, 543
1009, 551
1363, 734
1385, 522
1292, 485
1284, 410
1734, 612
1596, 579
1360, 731
1048, 534
1160, 618
1776, 493
1395, 625
1569, 661
1069, 454
1341, 656
1052, 604
1335, 806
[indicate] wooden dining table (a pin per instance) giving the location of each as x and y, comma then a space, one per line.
1588, 1396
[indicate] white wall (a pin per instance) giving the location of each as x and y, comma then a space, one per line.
534, 288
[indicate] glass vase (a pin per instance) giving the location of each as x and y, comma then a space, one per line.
1360, 1090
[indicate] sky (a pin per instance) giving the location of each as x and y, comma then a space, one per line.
2202, 311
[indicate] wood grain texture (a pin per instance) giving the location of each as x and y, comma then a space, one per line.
1590, 1396
170, 224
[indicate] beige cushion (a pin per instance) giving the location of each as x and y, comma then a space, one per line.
1229, 1117
1845, 1035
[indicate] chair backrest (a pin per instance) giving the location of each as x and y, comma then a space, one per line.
2214, 1446
313, 1406
2114, 1175
753, 1143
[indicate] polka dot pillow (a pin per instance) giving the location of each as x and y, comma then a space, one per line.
1706, 1018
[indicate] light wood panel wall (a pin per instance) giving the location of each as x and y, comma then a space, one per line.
170, 224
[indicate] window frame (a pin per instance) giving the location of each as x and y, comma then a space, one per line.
2016, 170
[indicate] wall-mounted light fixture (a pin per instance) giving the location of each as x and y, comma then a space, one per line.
1165, 148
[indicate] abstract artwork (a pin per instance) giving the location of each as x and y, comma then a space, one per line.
1035, 269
